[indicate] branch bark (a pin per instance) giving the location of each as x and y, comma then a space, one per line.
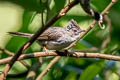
69, 54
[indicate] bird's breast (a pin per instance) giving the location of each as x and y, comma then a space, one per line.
59, 44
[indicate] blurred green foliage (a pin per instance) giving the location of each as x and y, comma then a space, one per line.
67, 68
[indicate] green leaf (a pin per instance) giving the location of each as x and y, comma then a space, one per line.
91, 71
28, 17
99, 5
71, 76
59, 4
31, 5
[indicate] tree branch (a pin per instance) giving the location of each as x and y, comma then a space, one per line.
108, 38
69, 54
48, 67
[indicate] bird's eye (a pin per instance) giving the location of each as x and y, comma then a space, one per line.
75, 30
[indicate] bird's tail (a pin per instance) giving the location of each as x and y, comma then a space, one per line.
21, 34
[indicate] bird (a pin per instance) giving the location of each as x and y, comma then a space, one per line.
56, 38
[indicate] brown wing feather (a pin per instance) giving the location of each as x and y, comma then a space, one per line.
50, 34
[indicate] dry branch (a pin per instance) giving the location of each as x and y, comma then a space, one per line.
70, 54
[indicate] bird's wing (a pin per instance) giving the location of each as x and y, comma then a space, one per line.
51, 33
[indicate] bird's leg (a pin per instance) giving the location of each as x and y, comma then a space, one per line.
45, 49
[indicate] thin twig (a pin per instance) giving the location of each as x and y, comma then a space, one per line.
48, 10
6, 51
71, 54
108, 38
42, 16
42, 19
48, 67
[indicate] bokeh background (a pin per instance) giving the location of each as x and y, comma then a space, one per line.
25, 16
